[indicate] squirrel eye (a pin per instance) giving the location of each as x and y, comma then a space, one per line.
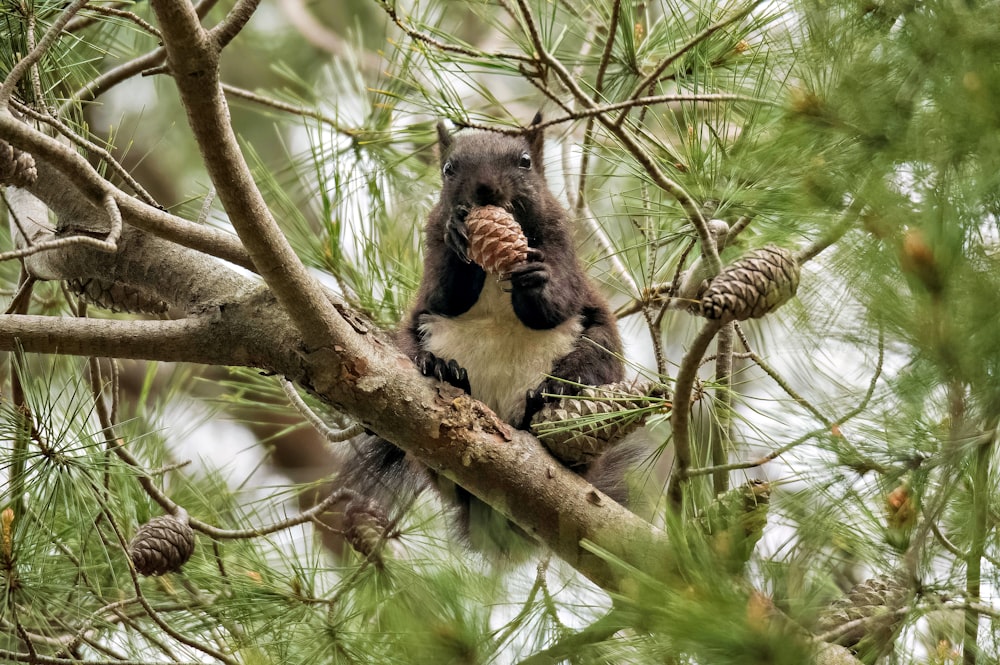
448, 169
525, 161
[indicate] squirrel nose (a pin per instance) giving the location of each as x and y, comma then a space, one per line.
487, 194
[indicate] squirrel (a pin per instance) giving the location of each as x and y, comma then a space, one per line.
511, 344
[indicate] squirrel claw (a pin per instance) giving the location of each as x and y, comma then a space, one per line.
456, 235
448, 371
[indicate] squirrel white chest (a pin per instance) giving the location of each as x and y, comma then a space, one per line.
503, 357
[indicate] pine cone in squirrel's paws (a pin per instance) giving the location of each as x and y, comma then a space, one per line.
752, 286
496, 242
17, 168
162, 545
365, 527
578, 429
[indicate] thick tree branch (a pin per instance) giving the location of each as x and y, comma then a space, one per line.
200, 340
193, 57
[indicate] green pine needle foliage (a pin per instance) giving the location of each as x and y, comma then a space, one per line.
863, 135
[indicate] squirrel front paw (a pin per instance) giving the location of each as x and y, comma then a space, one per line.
533, 273
456, 233
448, 371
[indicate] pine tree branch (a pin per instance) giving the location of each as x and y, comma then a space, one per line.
722, 426
193, 57
680, 416
69, 185
199, 340
982, 494
233, 23
390, 8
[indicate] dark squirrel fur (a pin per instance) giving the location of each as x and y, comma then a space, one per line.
498, 340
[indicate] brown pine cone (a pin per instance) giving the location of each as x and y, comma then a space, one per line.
17, 168
162, 545
579, 429
752, 286
365, 527
496, 242
875, 600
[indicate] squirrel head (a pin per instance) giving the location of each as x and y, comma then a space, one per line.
480, 168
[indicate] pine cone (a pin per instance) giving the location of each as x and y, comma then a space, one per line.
162, 545
735, 521
117, 297
17, 168
495, 239
754, 285
365, 527
875, 599
595, 426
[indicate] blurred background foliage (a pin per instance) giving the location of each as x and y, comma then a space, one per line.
868, 128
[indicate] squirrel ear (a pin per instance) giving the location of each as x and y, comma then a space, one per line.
536, 142
444, 140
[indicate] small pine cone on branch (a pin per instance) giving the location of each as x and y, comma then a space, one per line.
17, 168
496, 242
752, 286
366, 527
735, 521
874, 604
162, 545
580, 428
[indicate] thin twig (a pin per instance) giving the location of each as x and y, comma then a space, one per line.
588, 131
82, 21
777, 378
835, 233
88, 145
330, 434
234, 22
448, 48
117, 12
125, 71
19, 303
279, 105
226, 534
41, 659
